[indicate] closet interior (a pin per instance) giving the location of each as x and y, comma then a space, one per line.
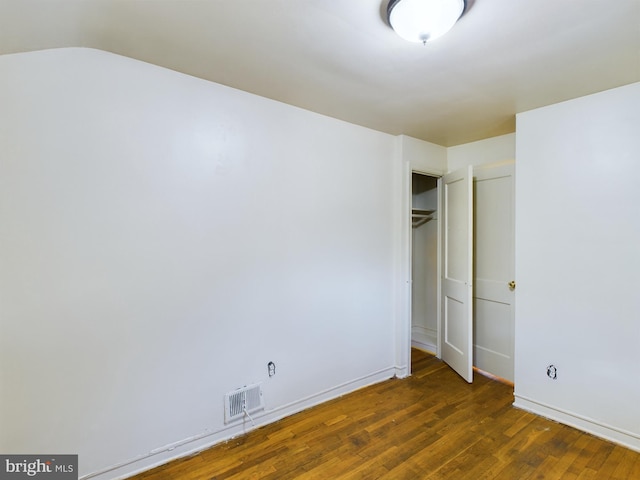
424, 263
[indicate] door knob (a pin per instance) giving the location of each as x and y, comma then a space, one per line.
512, 285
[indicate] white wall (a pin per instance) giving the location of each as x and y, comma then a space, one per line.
483, 152
577, 262
163, 238
423, 156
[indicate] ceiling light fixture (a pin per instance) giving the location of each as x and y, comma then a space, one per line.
422, 21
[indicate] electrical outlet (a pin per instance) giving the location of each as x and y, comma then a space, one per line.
552, 372
271, 367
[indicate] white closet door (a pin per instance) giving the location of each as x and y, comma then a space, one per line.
456, 329
494, 270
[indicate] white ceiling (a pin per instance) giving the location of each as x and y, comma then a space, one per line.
340, 58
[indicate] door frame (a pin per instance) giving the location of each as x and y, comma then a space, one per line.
407, 260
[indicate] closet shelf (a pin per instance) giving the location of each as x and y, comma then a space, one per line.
420, 216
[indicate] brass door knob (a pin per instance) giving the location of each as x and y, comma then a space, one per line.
512, 285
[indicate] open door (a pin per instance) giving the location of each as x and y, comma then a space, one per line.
456, 316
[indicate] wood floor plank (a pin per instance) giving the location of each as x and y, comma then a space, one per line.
431, 426
628, 466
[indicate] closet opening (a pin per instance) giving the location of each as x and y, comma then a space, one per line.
424, 263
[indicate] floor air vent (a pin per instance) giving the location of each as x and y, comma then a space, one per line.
245, 400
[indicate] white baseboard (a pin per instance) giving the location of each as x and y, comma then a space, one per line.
425, 344
424, 339
613, 434
193, 445
426, 347
402, 372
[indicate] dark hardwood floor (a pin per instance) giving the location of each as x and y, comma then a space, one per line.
432, 425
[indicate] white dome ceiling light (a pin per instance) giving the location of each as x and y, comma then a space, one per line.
422, 21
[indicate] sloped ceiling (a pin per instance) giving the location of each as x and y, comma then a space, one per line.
341, 59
